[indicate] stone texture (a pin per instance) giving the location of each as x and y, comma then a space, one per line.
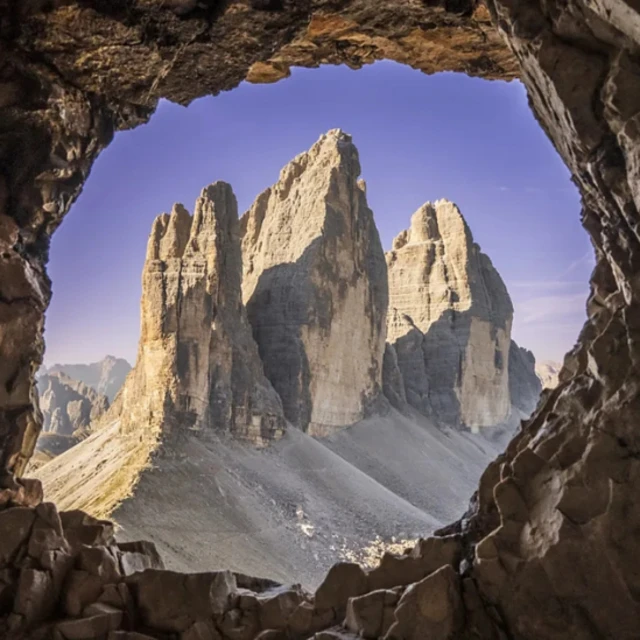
344, 580
431, 608
524, 384
106, 376
450, 320
73, 73
198, 367
315, 287
69, 407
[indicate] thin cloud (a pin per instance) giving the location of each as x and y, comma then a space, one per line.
548, 308
587, 259
546, 284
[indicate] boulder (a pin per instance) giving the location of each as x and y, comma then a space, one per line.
173, 602
138, 556
93, 628
431, 608
15, 528
343, 581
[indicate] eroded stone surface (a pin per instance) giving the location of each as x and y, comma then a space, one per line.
449, 321
198, 366
73, 73
315, 287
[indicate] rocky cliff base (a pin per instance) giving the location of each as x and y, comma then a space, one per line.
289, 511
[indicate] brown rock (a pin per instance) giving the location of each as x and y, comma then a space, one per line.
170, 601
15, 527
93, 628
36, 598
431, 608
81, 589
276, 611
343, 581
138, 556
371, 615
47, 534
306, 619
80, 528
201, 630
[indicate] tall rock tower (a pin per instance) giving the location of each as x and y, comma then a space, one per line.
198, 366
315, 286
449, 324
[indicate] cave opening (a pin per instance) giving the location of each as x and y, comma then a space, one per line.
420, 139
547, 547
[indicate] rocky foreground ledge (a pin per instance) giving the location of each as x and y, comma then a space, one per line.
63, 576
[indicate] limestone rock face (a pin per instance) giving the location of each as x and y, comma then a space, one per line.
524, 384
315, 287
68, 405
449, 320
547, 373
198, 367
106, 376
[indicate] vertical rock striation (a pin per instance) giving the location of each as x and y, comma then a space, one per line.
449, 321
315, 287
524, 385
198, 367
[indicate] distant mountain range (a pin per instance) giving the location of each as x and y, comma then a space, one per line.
72, 398
105, 376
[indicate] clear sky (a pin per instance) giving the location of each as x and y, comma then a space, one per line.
420, 138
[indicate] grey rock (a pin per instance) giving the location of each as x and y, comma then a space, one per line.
198, 367
316, 289
449, 320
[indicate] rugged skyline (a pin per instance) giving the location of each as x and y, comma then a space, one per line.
421, 141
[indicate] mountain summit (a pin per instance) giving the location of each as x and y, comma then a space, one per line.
315, 287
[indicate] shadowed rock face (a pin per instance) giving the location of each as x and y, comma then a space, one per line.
450, 320
550, 542
198, 367
315, 287
524, 384
106, 376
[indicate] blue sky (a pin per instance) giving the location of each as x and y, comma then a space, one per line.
420, 138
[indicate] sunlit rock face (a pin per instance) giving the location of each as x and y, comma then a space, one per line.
198, 367
315, 287
449, 321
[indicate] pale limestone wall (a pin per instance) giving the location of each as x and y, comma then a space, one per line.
449, 320
198, 367
316, 289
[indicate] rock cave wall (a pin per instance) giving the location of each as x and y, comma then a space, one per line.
549, 546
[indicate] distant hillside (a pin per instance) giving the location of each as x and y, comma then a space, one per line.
105, 376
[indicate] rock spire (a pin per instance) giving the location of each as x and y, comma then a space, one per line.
449, 323
198, 367
315, 286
